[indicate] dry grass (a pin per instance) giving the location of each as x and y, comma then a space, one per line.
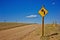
4, 26
51, 33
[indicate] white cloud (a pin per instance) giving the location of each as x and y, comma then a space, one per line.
31, 16
53, 3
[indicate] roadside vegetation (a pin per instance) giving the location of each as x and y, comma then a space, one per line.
4, 26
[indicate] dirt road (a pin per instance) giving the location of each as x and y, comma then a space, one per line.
17, 33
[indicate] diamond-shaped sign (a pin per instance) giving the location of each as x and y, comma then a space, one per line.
43, 11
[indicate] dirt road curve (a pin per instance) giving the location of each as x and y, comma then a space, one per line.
17, 33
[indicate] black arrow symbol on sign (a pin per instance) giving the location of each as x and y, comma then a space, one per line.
43, 11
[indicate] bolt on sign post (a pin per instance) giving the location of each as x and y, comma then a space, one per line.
43, 12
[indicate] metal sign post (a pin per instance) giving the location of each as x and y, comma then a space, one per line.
43, 12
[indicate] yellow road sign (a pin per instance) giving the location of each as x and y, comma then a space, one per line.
43, 11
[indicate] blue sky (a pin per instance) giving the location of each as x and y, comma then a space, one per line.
27, 11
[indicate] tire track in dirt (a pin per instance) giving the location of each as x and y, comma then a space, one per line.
16, 34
